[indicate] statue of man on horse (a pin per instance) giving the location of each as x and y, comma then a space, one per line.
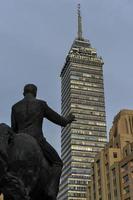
30, 168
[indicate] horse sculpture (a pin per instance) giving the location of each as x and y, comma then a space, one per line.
24, 172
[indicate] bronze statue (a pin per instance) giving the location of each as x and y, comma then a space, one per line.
26, 150
24, 172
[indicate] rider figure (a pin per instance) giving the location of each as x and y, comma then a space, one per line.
27, 117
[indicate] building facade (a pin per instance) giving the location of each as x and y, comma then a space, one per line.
112, 170
82, 94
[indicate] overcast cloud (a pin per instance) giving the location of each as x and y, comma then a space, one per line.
35, 37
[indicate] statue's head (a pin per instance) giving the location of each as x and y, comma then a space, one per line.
30, 89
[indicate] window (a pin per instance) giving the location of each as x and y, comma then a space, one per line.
125, 178
126, 190
117, 145
126, 152
124, 167
115, 155
113, 171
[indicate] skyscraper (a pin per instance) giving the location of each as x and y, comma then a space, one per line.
82, 94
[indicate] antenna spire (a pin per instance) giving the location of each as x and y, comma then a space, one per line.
79, 23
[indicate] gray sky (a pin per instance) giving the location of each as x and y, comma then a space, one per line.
35, 37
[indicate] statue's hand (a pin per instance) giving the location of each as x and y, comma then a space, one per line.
71, 118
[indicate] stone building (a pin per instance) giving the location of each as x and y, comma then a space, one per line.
112, 170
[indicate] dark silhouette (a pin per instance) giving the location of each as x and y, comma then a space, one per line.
27, 117
24, 172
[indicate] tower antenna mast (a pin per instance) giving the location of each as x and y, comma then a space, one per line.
79, 23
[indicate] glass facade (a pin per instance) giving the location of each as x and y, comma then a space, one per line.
82, 94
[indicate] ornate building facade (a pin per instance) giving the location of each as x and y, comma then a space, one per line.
82, 94
112, 170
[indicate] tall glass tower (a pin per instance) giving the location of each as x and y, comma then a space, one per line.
82, 94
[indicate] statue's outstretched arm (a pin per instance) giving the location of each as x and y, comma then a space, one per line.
54, 117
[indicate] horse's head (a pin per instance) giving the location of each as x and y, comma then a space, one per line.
5, 135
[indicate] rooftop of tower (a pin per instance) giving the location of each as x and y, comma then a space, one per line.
80, 41
81, 46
